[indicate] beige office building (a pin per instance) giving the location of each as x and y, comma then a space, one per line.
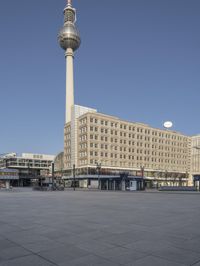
91, 139
195, 155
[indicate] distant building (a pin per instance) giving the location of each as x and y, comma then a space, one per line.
30, 166
59, 164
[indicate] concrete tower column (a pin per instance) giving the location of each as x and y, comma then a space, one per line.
70, 41
69, 83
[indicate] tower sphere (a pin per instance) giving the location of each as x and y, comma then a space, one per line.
69, 36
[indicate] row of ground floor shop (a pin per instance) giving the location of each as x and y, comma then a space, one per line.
101, 184
106, 183
131, 183
11, 177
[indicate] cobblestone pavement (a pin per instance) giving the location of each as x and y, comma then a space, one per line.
99, 228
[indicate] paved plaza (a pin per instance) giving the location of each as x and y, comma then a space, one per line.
99, 228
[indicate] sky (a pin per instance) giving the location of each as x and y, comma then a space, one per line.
139, 60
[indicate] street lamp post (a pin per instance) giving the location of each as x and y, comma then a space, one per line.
142, 171
52, 169
74, 177
166, 176
142, 175
98, 165
198, 149
28, 173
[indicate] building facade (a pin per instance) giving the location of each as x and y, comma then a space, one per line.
119, 146
195, 160
195, 155
29, 166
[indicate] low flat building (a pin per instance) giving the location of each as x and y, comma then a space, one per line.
30, 166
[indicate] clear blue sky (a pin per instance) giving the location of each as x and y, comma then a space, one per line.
139, 60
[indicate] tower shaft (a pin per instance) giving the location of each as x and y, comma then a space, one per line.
69, 83
69, 40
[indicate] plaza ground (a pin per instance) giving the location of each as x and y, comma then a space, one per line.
99, 228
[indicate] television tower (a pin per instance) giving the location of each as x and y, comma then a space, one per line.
69, 40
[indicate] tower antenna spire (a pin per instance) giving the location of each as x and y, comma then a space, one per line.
69, 2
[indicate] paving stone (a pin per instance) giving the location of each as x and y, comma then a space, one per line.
25, 237
147, 246
6, 229
192, 244
32, 260
4, 244
13, 252
177, 255
95, 246
61, 255
153, 261
43, 245
121, 255
196, 264
90, 260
